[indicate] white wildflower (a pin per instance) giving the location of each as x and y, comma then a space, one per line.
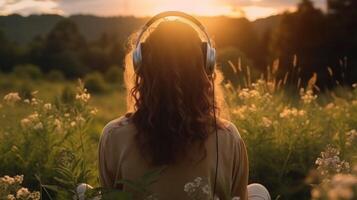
240, 111
342, 186
266, 122
354, 102
10, 197
7, 180
198, 188
301, 112
329, 106
198, 180
73, 124
94, 111
19, 179
47, 106
293, 112
330, 162
81, 191
31, 120
83, 96
12, 97
25, 123
351, 136
37, 196
22, 193
34, 101
189, 187
247, 94
58, 125
80, 119
206, 190
252, 108
308, 96
33, 117
286, 113
38, 126
315, 193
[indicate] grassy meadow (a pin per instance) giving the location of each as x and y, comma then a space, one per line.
301, 145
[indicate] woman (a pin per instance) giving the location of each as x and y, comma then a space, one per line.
172, 122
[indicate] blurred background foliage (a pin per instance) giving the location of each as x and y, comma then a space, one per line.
81, 44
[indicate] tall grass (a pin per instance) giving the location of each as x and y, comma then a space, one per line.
53, 140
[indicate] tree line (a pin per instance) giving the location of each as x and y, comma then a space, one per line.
305, 42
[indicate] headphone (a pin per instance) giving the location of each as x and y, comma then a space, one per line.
208, 51
209, 61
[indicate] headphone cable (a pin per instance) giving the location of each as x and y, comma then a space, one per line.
216, 131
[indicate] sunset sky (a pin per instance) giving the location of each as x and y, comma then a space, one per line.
252, 9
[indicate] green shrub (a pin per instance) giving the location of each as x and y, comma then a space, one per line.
5, 84
68, 94
45, 138
55, 75
28, 71
114, 75
95, 83
26, 91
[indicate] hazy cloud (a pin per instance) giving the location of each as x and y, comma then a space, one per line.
252, 8
27, 7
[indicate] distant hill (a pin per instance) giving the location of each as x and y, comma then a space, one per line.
265, 24
22, 30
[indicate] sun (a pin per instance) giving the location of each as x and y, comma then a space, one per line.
255, 12
207, 8
196, 7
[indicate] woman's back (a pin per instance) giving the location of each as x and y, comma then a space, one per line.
120, 158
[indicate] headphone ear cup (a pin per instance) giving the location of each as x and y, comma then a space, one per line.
209, 58
137, 57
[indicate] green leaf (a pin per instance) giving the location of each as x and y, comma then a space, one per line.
117, 195
54, 188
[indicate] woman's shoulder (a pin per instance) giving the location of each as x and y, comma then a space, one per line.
118, 126
230, 129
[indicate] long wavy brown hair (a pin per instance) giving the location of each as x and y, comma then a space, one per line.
170, 96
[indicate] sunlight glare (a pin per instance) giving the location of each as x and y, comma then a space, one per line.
196, 7
27, 7
254, 12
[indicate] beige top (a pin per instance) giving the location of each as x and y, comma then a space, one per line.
119, 158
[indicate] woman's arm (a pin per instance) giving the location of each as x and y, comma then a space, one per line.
240, 168
106, 173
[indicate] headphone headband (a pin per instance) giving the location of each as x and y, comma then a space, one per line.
207, 49
172, 14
